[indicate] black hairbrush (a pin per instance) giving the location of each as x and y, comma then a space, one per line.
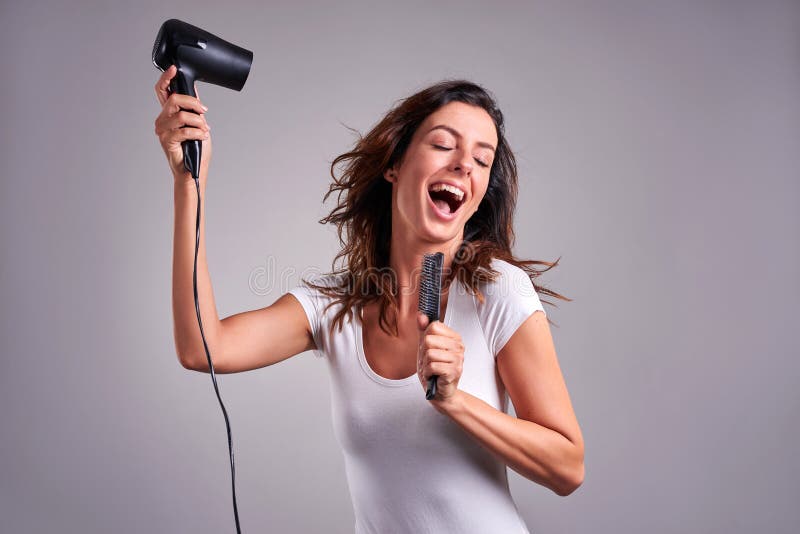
429, 291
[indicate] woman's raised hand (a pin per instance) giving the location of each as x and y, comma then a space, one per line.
175, 124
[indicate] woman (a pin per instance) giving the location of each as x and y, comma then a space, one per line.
435, 175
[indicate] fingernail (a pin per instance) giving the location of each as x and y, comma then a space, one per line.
204, 107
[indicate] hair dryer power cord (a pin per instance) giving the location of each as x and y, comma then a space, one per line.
208, 356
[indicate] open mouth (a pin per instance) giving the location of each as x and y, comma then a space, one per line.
447, 198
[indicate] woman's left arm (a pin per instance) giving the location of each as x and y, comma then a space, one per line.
544, 442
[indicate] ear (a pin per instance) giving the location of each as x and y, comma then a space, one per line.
390, 175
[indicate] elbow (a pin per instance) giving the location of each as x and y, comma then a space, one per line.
572, 483
181, 351
187, 364
573, 472
572, 478
191, 364
200, 365
193, 358
187, 356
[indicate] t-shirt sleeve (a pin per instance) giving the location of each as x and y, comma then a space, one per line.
509, 301
313, 303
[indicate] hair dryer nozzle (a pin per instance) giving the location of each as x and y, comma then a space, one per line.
200, 55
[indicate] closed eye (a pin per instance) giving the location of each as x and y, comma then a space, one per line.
440, 147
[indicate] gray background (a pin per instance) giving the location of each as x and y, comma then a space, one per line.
658, 145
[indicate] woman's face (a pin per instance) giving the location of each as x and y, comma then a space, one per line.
454, 146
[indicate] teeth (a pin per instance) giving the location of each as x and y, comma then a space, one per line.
456, 191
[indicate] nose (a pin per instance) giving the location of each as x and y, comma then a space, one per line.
461, 163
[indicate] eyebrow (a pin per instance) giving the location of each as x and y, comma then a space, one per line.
457, 134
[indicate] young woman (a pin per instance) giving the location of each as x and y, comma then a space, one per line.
434, 175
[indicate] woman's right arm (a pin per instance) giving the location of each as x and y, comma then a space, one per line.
241, 342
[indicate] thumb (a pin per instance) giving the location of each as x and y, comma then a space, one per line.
422, 320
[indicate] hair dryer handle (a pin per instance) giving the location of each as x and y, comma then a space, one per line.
183, 83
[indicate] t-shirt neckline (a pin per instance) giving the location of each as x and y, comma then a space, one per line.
449, 312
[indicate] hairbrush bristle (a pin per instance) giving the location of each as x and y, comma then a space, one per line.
431, 285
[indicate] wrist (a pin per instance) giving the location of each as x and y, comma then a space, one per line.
185, 182
450, 405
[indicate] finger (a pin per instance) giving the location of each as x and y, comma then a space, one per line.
439, 355
433, 341
162, 85
182, 134
439, 328
186, 118
440, 369
177, 102
165, 124
422, 320
169, 121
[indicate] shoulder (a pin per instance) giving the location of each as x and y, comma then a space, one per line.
508, 301
509, 282
320, 307
328, 280
311, 290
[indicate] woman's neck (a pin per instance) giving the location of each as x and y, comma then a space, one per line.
405, 259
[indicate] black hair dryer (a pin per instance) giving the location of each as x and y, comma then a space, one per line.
199, 56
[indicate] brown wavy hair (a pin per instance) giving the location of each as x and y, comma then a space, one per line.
363, 214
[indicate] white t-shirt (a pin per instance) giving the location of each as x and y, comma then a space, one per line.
411, 469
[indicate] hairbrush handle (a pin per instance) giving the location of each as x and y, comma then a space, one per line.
429, 299
431, 393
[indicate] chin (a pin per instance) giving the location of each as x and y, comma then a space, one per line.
442, 233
